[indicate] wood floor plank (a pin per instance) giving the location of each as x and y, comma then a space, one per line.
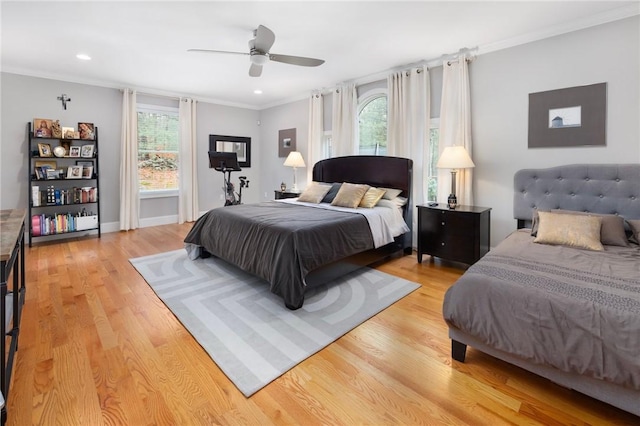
97, 346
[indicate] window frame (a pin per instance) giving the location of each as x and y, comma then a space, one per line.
158, 193
434, 123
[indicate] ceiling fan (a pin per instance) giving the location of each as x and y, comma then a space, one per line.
259, 52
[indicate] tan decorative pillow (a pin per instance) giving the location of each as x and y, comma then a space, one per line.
350, 195
612, 230
371, 197
569, 230
635, 229
314, 193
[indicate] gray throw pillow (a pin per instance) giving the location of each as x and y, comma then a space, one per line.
332, 193
612, 230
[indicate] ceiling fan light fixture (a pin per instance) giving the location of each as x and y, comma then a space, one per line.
259, 59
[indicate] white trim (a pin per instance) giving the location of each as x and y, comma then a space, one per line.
146, 222
563, 28
158, 193
370, 95
157, 108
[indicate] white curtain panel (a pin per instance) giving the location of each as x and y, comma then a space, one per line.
316, 132
344, 121
129, 194
455, 127
188, 165
408, 126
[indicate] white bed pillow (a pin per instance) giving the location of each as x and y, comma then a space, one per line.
391, 193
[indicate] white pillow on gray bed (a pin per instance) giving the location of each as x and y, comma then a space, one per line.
391, 193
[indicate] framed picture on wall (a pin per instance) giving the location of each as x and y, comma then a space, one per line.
286, 142
575, 116
42, 127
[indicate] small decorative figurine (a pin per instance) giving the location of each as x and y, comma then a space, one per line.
283, 187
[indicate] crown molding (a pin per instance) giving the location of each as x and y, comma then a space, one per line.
564, 28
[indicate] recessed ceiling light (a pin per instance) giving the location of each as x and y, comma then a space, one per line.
258, 92
83, 57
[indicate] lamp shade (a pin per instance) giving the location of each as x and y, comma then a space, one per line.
294, 160
454, 157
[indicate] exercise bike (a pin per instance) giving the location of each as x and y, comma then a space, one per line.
227, 162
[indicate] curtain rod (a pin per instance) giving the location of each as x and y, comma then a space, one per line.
428, 64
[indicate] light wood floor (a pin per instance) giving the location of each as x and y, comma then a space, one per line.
98, 347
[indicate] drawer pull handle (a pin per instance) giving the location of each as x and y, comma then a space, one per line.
442, 223
442, 243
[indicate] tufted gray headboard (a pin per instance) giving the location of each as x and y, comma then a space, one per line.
596, 188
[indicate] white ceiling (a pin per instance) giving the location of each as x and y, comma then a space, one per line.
144, 45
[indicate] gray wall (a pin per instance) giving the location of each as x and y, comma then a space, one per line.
290, 116
500, 85
231, 121
501, 82
25, 98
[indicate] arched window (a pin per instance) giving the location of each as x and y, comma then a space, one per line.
372, 125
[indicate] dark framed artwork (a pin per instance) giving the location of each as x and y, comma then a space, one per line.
238, 144
575, 116
286, 142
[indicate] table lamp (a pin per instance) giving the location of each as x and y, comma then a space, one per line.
294, 160
454, 158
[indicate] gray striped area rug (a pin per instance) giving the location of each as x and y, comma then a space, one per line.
247, 330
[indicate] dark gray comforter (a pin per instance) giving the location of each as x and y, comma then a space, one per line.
576, 310
281, 242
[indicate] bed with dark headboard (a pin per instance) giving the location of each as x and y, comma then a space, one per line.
296, 247
569, 314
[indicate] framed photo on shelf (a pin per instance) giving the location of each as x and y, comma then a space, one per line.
74, 172
87, 131
52, 174
44, 149
68, 132
74, 151
87, 172
42, 127
87, 151
48, 163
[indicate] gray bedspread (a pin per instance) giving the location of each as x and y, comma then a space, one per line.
575, 310
281, 242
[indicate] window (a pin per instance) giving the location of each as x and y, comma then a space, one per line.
327, 148
372, 125
432, 171
158, 136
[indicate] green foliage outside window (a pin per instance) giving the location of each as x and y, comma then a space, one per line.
372, 122
158, 134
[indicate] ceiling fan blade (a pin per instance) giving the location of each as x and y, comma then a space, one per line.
264, 39
296, 60
217, 51
255, 70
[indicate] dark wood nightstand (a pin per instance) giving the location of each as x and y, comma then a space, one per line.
461, 234
279, 195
